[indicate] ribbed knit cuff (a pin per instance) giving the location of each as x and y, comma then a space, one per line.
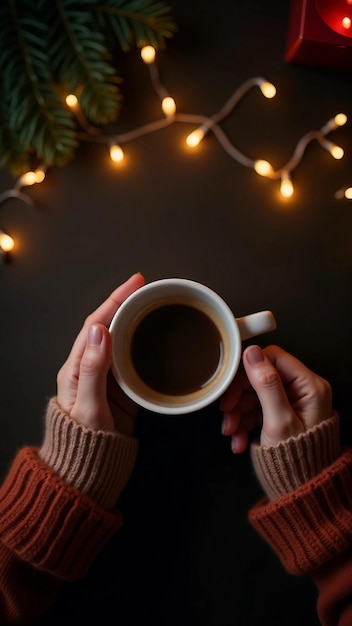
97, 463
312, 525
49, 524
284, 467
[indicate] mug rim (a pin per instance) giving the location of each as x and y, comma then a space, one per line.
163, 287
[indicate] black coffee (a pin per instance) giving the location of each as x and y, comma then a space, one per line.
176, 349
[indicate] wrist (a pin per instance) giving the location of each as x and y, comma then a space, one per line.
97, 463
282, 468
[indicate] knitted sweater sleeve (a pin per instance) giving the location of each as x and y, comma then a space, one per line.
56, 512
306, 516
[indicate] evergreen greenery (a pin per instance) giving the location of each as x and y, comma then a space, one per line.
49, 48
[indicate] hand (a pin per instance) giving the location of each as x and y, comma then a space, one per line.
276, 392
86, 388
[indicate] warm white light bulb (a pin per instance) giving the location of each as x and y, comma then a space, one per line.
29, 178
116, 153
39, 175
6, 242
263, 168
340, 119
71, 100
194, 139
268, 89
168, 105
346, 22
348, 193
337, 152
148, 54
286, 188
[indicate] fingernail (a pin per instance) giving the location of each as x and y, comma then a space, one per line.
233, 445
254, 355
95, 336
224, 426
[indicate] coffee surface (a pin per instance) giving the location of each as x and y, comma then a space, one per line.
176, 349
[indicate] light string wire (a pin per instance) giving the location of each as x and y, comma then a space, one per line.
204, 124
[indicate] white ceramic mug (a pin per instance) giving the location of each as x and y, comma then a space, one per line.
160, 353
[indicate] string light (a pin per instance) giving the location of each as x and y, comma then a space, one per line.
340, 119
30, 178
344, 192
263, 168
286, 187
335, 151
116, 153
194, 138
204, 125
268, 89
148, 54
168, 105
6, 242
73, 104
71, 101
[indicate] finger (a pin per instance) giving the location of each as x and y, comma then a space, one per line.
68, 375
231, 422
232, 395
287, 365
123, 409
234, 420
279, 419
118, 398
239, 441
106, 311
309, 394
91, 407
247, 403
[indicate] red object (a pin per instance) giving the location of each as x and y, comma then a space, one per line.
320, 33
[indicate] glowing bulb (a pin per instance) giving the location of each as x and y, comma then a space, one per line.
116, 153
263, 168
168, 105
148, 54
39, 176
286, 188
6, 242
337, 152
71, 100
268, 89
29, 178
340, 119
348, 193
194, 139
346, 22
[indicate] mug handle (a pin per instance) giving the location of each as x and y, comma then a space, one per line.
256, 324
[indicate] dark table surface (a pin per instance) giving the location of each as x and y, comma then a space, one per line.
187, 554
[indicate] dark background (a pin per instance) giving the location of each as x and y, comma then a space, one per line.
187, 554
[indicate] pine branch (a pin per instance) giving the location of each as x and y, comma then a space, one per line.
135, 22
81, 60
49, 48
35, 114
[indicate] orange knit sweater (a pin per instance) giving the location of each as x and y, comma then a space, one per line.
57, 512
307, 515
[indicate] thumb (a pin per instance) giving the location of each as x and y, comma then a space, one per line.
279, 418
91, 407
